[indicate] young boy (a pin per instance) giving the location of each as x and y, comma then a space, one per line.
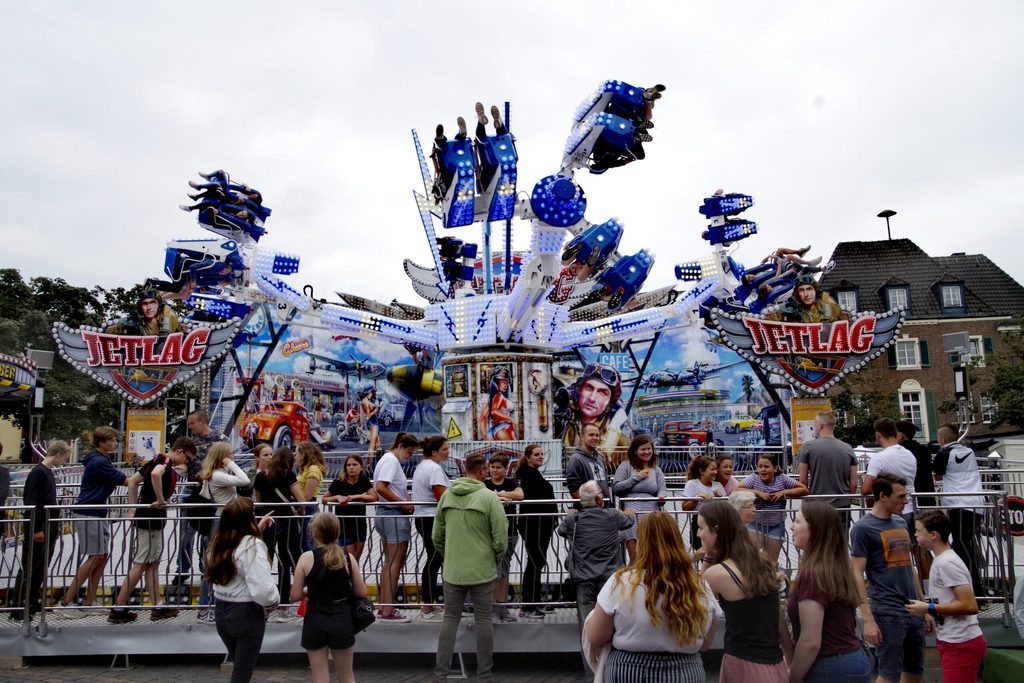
508, 492
952, 602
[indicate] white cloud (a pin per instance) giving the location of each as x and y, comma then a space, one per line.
825, 113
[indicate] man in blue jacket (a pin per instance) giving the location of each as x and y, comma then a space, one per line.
92, 527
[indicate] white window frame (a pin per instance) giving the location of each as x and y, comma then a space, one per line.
958, 290
987, 407
914, 393
847, 293
913, 343
977, 349
911, 401
889, 296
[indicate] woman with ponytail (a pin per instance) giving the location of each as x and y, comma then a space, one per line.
328, 577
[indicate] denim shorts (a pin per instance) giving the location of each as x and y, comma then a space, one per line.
902, 646
771, 531
849, 667
393, 525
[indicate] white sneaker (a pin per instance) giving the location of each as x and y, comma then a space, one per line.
284, 617
69, 612
395, 617
436, 616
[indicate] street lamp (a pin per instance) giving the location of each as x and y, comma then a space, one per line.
888, 213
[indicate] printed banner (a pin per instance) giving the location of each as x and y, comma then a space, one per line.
144, 430
802, 412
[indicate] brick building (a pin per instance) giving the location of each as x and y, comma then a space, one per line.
942, 294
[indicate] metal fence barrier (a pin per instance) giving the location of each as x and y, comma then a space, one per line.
180, 586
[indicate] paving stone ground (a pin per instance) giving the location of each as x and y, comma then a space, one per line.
375, 668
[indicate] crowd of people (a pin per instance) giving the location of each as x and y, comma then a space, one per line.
647, 606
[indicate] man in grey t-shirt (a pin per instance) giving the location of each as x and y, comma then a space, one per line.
828, 466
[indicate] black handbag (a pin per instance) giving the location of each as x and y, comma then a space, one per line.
199, 518
363, 613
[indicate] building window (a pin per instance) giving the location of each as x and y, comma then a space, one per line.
915, 406
988, 408
906, 354
897, 297
952, 296
978, 350
847, 299
913, 409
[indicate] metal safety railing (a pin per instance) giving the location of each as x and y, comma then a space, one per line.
180, 576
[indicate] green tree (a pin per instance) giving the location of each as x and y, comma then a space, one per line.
861, 409
1007, 373
73, 402
747, 383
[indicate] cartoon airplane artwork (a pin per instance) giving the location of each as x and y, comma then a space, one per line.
361, 369
694, 376
417, 385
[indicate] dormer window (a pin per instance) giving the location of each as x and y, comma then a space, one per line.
951, 299
952, 296
847, 299
897, 297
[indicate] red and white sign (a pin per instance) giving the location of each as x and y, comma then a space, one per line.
812, 356
142, 368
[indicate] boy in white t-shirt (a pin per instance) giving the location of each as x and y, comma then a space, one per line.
952, 602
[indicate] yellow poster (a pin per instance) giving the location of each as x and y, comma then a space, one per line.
145, 429
801, 414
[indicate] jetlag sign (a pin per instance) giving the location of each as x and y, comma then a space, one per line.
811, 356
142, 368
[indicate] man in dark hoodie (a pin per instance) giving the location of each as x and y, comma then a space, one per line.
99, 479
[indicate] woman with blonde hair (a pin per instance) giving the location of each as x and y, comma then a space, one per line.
220, 476
223, 473
823, 605
309, 461
328, 577
657, 614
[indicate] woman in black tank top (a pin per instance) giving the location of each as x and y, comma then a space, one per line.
328, 578
746, 584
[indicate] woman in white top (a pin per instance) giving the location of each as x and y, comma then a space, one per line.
392, 521
246, 592
429, 483
221, 474
221, 477
702, 475
657, 614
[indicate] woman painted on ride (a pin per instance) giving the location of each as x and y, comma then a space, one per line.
495, 422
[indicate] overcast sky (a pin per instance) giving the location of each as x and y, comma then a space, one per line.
826, 113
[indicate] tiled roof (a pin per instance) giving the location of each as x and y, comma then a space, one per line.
870, 266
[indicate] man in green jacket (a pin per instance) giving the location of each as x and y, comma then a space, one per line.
471, 531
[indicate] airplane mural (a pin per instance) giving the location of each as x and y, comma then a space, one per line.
361, 369
694, 376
